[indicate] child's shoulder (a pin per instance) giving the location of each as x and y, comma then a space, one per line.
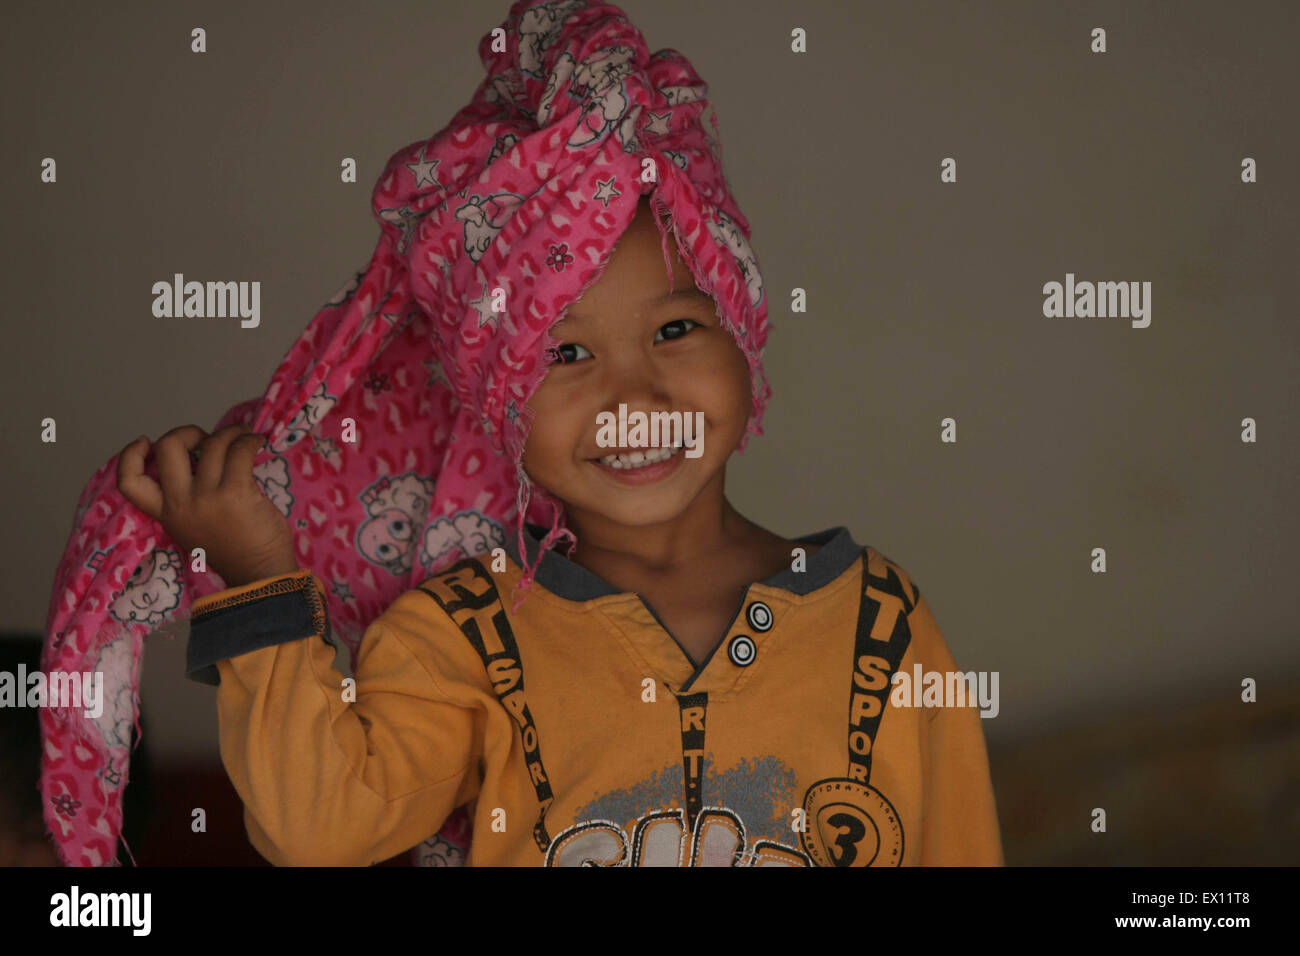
476, 579
893, 577
887, 576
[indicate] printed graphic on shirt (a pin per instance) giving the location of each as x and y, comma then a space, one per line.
468, 594
851, 824
848, 821
746, 822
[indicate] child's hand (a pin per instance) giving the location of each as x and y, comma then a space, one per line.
219, 507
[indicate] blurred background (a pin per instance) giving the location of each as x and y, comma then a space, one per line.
1119, 690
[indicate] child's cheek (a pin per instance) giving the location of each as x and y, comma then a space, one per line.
550, 447
732, 383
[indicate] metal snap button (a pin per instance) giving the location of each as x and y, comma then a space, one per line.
760, 616
741, 650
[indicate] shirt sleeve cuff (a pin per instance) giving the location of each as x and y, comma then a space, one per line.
264, 613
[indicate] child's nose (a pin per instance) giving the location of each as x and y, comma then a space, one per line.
646, 400
638, 383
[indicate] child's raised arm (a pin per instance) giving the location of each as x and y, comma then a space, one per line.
330, 774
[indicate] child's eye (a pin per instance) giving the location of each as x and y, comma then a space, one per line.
678, 327
566, 354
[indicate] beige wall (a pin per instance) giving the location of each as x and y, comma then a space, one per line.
925, 298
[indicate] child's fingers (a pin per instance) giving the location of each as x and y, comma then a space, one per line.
139, 489
172, 453
212, 458
239, 460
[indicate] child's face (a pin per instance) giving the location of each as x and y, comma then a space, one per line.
625, 343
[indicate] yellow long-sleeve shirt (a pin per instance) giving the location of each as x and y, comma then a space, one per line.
579, 731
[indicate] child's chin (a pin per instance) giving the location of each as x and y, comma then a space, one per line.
634, 514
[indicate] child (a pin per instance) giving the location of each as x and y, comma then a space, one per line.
651, 705
686, 687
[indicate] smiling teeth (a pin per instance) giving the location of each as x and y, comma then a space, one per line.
638, 459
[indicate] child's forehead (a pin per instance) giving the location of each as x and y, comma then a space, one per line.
637, 274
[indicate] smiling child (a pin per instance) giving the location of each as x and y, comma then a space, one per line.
683, 687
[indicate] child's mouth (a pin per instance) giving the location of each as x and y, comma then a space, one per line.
638, 467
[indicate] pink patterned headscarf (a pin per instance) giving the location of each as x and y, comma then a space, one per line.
525, 191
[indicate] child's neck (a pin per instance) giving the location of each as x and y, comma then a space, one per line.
710, 537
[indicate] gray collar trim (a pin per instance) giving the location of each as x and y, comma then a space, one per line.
573, 582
